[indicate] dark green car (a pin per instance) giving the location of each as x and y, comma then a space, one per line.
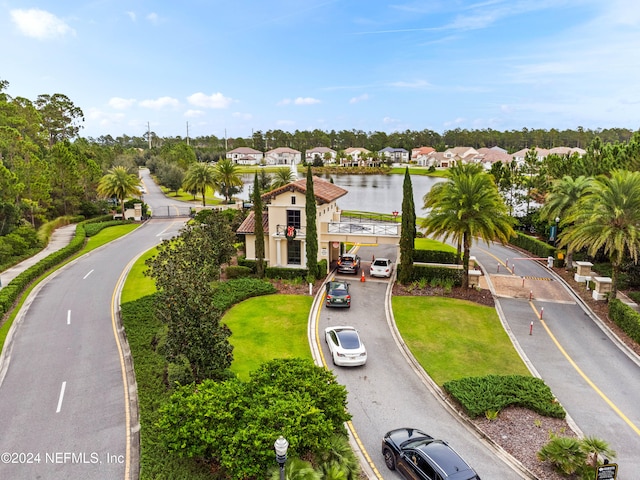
338, 294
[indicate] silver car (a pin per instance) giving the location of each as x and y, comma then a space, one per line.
381, 267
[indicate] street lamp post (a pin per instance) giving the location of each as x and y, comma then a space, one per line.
281, 445
555, 240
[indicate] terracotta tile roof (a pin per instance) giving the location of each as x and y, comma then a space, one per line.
324, 191
244, 150
249, 224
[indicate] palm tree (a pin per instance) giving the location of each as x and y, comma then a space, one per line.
198, 178
467, 206
608, 217
227, 178
282, 177
564, 194
119, 183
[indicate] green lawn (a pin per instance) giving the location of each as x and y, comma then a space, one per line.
453, 338
430, 244
137, 285
264, 328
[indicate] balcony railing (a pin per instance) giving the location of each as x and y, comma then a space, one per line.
281, 231
390, 229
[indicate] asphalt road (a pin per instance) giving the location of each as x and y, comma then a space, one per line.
63, 396
595, 379
387, 392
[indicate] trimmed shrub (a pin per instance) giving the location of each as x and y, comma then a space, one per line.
532, 245
435, 256
285, 273
243, 262
237, 271
478, 395
626, 318
442, 274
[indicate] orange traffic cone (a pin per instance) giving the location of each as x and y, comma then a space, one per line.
362, 279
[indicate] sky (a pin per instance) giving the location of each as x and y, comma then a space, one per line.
231, 68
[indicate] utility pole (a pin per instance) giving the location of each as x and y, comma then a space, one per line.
187, 133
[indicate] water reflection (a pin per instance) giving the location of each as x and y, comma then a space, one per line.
372, 193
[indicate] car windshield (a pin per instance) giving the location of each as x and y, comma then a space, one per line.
339, 292
347, 259
380, 263
349, 339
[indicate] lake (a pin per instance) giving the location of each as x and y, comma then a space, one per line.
372, 193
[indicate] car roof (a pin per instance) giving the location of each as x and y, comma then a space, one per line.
444, 456
338, 285
348, 255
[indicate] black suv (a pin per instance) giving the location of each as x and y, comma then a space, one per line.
348, 263
417, 455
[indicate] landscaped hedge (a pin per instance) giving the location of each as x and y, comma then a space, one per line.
10, 293
626, 318
285, 273
226, 294
243, 262
429, 272
492, 393
237, 271
435, 256
531, 244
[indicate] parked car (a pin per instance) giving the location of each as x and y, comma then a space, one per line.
418, 455
338, 294
348, 263
381, 267
347, 350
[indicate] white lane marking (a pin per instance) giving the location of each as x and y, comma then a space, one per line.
62, 389
68, 317
90, 272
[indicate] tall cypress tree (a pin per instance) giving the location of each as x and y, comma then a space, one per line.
408, 234
259, 229
312, 230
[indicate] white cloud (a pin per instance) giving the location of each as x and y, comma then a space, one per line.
306, 101
299, 101
40, 24
242, 116
359, 98
389, 120
121, 103
160, 103
132, 15
153, 18
414, 84
193, 113
216, 100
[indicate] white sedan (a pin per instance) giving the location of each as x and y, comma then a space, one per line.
381, 267
347, 350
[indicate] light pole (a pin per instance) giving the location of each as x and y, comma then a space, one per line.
555, 240
281, 445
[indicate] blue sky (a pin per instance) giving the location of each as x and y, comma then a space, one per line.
234, 67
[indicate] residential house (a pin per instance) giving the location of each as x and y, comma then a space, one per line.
396, 155
285, 226
285, 221
464, 154
245, 156
488, 156
356, 156
283, 156
420, 152
326, 154
433, 159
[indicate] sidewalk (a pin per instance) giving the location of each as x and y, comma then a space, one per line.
60, 238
